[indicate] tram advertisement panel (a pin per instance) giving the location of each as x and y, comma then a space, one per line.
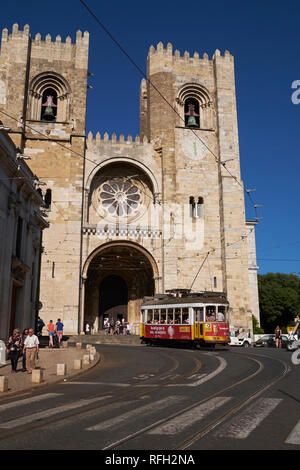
168, 331
216, 329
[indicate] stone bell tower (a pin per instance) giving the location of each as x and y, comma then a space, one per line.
43, 86
198, 142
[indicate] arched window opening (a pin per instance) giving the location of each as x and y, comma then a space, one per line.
49, 98
196, 208
200, 207
192, 206
195, 106
191, 113
49, 105
48, 198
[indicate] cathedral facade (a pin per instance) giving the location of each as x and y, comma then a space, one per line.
132, 217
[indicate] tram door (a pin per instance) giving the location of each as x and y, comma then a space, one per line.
199, 316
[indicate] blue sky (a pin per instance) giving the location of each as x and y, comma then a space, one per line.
264, 39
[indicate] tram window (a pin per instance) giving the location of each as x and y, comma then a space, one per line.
156, 316
199, 314
178, 319
210, 313
185, 315
170, 317
221, 315
163, 316
149, 316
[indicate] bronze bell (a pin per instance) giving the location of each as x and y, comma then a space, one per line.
49, 111
49, 114
192, 122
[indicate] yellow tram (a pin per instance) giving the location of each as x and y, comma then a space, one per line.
198, 318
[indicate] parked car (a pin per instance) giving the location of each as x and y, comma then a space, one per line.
244, 342
269, 341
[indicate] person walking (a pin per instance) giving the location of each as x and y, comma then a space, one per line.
112, 326
40, 326
24, 336
31, 349
14, 349
59, 330
51, 330
278, 337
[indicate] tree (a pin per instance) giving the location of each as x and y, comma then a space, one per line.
279, 299
256, 329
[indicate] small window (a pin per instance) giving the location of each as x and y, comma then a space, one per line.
199, 209
178, 316
149, 318
192, 206
19, 237
210, 313
199, 314
221, 315
48, 198
185, 315
156, 316
170, 317
163, 316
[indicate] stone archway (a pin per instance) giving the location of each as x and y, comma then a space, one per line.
108, 271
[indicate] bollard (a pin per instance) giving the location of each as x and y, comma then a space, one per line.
61, 369
86, 359
78, 345
77, 364
37, 376
3, 384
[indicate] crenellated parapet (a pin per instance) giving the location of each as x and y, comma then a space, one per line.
57, 49
166, 53
99, 140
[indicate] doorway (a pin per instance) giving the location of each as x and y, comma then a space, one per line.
113, 299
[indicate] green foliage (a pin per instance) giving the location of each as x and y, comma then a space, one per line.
279, 299
256, 329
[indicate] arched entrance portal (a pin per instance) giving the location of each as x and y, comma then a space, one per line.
113, 298
118, 276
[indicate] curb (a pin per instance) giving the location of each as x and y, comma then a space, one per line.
49, 384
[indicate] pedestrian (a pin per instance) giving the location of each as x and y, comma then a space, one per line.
106, 326
24, 336
14, 349
278, 337
59, 330
87, 328
31, 349
51, 330
40, 326
124, 324
128, 330
112, 326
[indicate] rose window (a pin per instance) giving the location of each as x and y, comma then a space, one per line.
120, 196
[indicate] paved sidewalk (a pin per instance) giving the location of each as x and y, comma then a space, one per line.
21, 382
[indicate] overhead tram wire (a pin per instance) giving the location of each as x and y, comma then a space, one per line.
140, 70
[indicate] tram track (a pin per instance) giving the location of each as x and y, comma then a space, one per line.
120, 397
206, 429
138, 394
